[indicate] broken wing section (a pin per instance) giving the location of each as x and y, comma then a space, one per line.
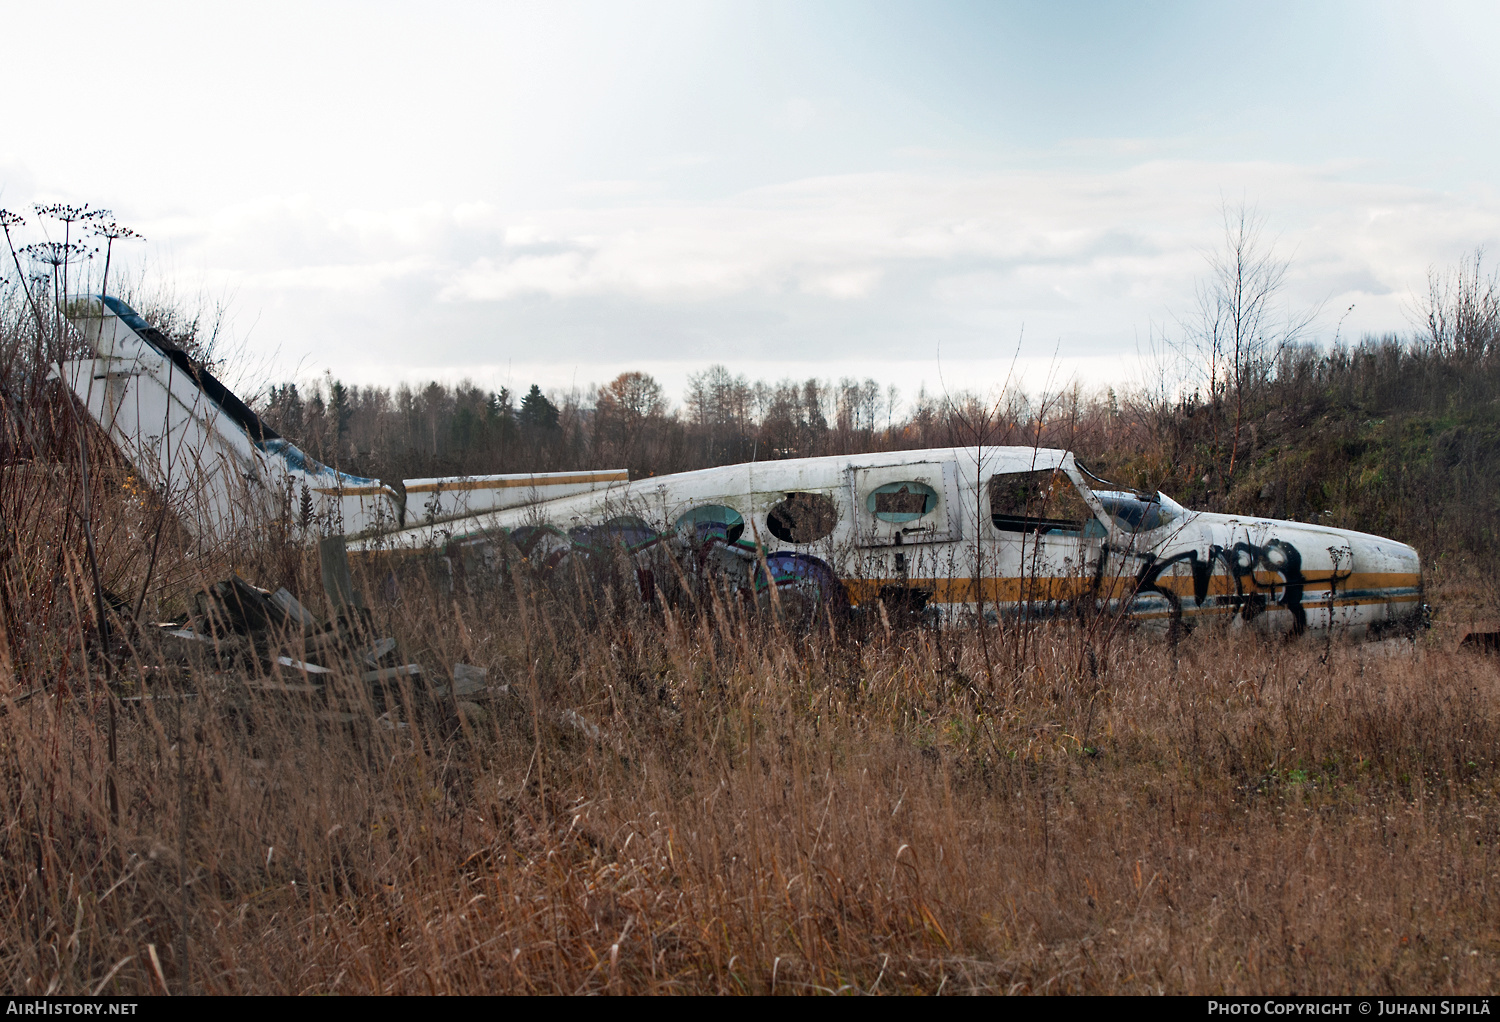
220, 469
431, 501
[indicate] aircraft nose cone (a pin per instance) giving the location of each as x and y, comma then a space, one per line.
1329, 578
1381, 581
1380, 556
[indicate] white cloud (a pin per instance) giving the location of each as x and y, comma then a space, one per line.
839, 271
1108, 246
488, 280
848, 284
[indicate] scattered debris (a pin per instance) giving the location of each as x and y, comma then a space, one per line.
472, 713
270, 644
333, 558
286, 661
389, 723
372, 653
391, 673
295, 611
278, 646
578, 722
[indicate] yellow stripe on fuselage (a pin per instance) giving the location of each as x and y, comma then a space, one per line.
1042, 590
1222, 609
575, 479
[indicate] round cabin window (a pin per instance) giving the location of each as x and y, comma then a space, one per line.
901, 502
803, 518
710, 522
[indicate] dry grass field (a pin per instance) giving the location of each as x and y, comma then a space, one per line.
704, 801
703, 798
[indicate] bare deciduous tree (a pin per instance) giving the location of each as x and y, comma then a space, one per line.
1461, 313
1239, 328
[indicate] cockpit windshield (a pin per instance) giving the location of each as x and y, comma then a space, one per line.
1133, 513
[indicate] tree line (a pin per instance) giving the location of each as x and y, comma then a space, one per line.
437, 429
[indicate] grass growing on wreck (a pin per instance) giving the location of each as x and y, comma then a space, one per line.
703, 802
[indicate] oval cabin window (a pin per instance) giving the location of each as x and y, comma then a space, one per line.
710, 522
803, 518
901, 502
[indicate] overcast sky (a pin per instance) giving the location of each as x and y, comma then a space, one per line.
557, 192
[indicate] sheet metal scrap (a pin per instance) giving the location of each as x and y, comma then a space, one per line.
269, 643
255, 642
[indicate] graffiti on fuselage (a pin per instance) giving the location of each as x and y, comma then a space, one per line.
1241, 580
1241, 561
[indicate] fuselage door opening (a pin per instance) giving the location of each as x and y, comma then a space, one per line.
907, 504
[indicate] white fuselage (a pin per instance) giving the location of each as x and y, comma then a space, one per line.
952, 542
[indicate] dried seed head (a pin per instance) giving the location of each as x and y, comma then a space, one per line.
57, 253
116, 232
67, 213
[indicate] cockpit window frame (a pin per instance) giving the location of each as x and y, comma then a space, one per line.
1004, 523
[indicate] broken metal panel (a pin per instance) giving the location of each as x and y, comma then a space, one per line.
294, 611
374, 652
468, 680
381, 674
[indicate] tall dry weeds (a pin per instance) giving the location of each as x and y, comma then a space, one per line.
703, 802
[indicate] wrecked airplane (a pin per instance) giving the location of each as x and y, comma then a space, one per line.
956, 532
946, 534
